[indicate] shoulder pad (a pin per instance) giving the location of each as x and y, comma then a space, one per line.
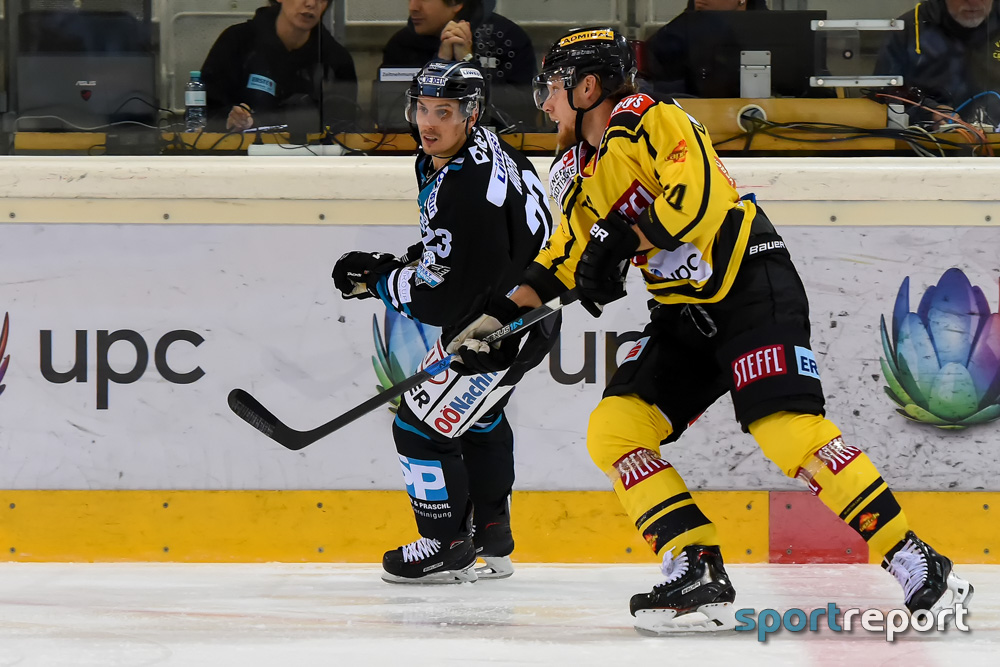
630, 109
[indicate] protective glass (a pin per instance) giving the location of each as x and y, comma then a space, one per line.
541, 86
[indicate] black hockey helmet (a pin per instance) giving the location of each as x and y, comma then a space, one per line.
447, 79
603, 51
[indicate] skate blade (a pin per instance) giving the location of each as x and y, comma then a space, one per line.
715, 617
496, 567
959, 591
463, 576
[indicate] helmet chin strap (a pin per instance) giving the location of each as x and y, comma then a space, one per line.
578, 127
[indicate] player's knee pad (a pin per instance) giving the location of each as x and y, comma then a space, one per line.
790, 439
621, 424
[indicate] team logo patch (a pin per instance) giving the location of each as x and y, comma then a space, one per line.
680, 152
636, 350
836, 455
428, 272
424, 479
605, 35
868, 521
805, 362
634, 201
764, 362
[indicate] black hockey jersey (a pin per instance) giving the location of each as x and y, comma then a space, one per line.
483, 218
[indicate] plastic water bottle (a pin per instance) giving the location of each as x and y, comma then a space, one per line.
194, 103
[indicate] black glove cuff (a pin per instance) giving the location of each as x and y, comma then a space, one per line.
503, 309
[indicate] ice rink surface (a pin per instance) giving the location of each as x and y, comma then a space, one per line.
268, 615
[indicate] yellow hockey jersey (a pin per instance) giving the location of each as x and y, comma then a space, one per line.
653, 156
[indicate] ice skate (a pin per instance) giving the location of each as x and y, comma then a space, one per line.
696, 596
494, 544
927, 577
431, 561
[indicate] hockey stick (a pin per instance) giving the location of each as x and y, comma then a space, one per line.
252, 412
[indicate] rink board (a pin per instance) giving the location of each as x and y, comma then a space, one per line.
133, 312
357, 526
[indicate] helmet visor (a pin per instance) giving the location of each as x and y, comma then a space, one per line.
422, 107
546, 83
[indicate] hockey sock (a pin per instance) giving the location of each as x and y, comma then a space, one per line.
811, 448
623, 440
435, 479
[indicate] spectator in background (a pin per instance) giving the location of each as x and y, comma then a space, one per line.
471, 30
949, 56
280, 67
667, 63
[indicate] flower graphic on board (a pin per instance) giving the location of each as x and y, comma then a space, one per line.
400, 349
942, 365
4, 360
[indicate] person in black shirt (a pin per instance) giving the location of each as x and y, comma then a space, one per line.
949, 57
667, 64
471, 30
280, 67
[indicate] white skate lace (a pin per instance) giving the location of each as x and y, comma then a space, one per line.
910, 569
422, 548
673, 568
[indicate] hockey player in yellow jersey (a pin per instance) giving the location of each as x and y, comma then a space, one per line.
639, 182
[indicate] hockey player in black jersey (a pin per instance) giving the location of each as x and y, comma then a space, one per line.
483, 218
641, 182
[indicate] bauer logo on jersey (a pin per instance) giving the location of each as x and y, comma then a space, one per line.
636, 350
805, 362
634, 201
605, 35
764, 362
424, 479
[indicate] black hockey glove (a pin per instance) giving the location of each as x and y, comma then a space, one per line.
599, 275
478, 357
356, 273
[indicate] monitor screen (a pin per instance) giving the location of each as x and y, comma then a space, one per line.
715, 40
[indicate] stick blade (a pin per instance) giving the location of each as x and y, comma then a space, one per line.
250, 410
